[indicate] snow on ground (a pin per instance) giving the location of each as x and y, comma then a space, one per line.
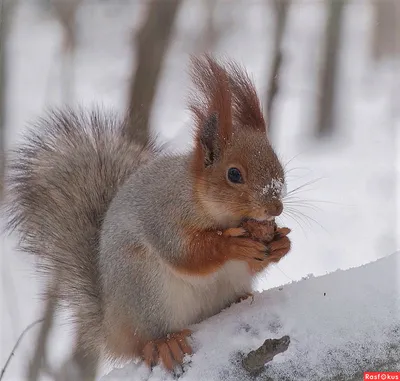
340, 325
351, 215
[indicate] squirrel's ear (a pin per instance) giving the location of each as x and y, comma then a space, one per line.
247, 110
211, 105
208, 138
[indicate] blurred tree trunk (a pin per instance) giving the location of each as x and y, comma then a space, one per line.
80, 366
151, 45
2, 95
386, 40
281, 12
65, 12
38, 362
6, 8
211, 30
328, 74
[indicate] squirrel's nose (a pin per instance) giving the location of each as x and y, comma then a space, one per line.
275, 208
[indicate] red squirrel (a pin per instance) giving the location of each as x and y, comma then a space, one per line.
144, 244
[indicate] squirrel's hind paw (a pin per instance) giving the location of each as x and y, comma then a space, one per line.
245, 297
170, 350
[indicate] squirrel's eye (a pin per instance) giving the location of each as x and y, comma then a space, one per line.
235, 176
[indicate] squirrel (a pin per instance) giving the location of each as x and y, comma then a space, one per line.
143, 244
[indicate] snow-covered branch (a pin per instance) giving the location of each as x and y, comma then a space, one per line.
340, 325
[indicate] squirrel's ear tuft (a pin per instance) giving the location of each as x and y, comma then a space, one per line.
211, 105
247, 110
208, 137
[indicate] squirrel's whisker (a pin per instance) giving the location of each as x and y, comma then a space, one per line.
300, 204
301, 187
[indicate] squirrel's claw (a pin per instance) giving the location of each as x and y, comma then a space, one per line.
281, 232
170, 350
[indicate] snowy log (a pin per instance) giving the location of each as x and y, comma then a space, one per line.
339, 325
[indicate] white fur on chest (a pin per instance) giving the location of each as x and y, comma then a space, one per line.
191, 299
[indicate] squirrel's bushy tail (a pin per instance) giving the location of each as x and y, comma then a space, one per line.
61, 182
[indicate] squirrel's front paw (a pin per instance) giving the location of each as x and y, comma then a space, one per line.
276, 250
279, 246
258, 255
241, 246
246, 249
170, 350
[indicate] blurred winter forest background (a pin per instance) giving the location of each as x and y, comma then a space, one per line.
328, 75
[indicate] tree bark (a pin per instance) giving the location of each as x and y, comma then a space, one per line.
325, 116
255, 361
151, 46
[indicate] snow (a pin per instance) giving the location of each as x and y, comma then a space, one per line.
340, 324
276, 187
345, 216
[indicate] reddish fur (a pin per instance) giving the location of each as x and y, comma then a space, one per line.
247, 109
206, 253
227, 92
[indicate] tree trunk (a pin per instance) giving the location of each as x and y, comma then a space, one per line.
386, 40
211, 30
281, 11
65, 12
81, 366
5, 17
325, 117
38, 361
152, 42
